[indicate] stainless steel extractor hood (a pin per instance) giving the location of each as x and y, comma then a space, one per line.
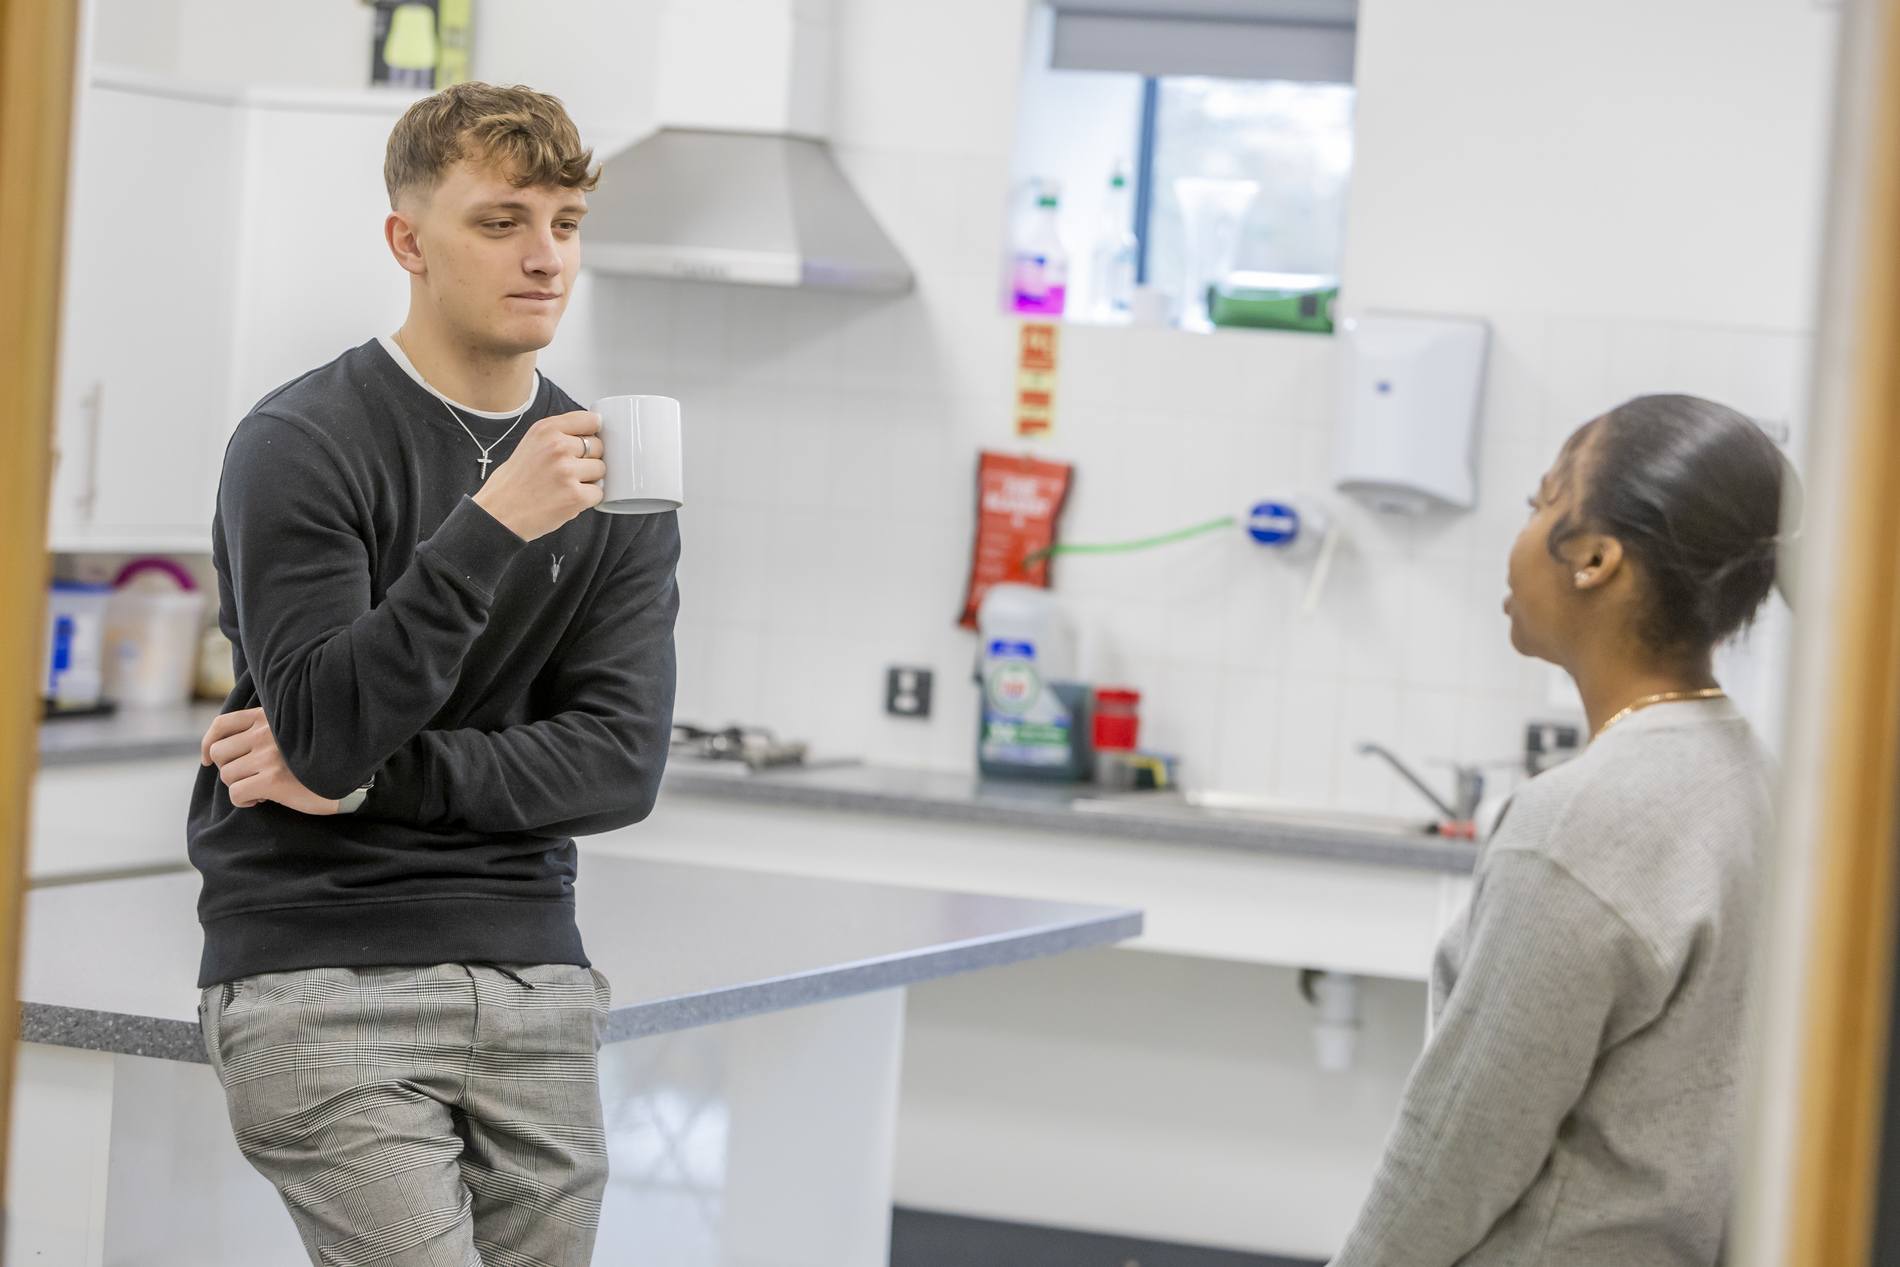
763, 208
737, 184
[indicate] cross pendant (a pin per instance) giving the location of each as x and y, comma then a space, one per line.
484, 459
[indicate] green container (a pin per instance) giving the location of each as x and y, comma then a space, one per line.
1274, 301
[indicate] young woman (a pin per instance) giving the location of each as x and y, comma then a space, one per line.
1576, 1103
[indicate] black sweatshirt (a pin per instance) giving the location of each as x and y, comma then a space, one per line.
506, 696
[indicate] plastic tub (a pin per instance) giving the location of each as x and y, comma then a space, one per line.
152, 636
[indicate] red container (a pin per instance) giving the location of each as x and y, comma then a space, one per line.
1117, 720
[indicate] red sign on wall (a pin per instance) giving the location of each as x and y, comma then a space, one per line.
1036, 378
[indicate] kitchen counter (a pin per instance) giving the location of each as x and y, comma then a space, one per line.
684, 946
127, 735
1160, 817
752, 1058
918, 794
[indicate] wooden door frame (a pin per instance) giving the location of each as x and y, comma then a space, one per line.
37, 53
1811, 1167
37, 75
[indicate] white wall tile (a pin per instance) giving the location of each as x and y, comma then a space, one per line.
1366, 613
1489, 663
1436, 626
1491, 731
1708, 362
1369, 712
737, 547
633, 326
1515, 377
798, 436
1314, 646
1262, 599
700, 325
1308, 743
732, 683
1178, 714
1247, 748
1642, 359
1431, 723
1771, 382
1576, 376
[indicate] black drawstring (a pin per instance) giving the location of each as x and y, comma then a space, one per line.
504, 972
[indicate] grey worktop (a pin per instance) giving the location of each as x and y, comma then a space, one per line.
111, 966
1159, 817
916, 794
127, 735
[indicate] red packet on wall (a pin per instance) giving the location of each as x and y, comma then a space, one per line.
1018, 501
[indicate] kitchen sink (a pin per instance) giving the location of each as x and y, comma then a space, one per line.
1205, 805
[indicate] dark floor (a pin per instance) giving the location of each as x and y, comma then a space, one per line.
920, 1238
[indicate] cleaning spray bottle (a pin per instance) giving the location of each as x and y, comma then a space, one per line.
1035, 715
1039, 270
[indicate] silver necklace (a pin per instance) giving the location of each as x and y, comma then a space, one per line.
486, 449
484, 459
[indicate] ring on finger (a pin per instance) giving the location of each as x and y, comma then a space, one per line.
586, 446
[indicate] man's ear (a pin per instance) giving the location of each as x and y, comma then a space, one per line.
399, 230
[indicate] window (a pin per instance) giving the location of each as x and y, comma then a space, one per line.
1292, 141
1237, 178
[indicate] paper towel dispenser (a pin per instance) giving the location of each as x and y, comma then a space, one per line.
1408, 420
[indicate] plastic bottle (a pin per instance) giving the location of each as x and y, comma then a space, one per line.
75, 635
1040, 268
1112, 255
1035, 715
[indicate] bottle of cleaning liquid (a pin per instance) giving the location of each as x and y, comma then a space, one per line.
1112, 255
1040, 267
1035, 715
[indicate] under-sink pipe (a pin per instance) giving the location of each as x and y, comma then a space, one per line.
1336, 1029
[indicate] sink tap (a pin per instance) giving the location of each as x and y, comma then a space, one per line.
1469, 780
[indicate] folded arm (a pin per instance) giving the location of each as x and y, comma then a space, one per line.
594, 763
344, 684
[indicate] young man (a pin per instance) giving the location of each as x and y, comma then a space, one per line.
446, 669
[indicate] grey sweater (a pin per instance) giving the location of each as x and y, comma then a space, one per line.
1576, 1102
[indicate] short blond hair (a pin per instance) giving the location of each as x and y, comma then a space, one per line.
525, 133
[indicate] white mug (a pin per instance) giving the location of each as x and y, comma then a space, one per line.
640, 442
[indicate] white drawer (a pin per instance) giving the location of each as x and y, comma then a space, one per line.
107, 816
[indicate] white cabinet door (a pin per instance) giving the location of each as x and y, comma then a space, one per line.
110, 816
152, 247
318, 276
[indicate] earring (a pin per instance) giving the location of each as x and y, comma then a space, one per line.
1583, 578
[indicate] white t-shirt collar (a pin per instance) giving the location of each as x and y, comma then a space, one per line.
401, 358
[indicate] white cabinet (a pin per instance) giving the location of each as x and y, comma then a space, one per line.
110, 816
152, 248
318, 277
218, 245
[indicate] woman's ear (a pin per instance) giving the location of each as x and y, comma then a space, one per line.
1595, 560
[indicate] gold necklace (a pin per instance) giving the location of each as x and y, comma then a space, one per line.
1663, 697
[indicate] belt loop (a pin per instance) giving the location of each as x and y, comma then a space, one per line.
230, 992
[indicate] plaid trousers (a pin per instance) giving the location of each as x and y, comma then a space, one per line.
444, 1116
